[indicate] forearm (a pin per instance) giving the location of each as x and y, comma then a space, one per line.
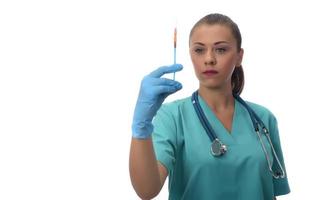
144, 170
147, 176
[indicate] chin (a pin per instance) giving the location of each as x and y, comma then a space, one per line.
213, 85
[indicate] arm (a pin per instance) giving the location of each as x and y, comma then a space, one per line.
147, 174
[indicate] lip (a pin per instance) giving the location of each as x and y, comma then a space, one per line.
210, 72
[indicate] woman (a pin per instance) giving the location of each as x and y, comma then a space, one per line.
233, 162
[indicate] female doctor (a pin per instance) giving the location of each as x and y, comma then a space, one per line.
207, 144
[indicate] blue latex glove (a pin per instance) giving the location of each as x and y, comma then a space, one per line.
153, 91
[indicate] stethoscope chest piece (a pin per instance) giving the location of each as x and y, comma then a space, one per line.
218, 148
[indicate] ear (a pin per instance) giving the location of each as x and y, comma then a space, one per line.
240, 56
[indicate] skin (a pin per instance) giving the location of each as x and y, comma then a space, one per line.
147, 174
212, 49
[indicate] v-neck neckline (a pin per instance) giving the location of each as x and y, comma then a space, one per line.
215, 120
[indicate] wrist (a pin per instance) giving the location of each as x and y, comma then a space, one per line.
142, 130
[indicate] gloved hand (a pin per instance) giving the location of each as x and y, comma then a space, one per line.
153, 91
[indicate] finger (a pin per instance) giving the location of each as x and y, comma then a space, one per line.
163, 81
165, 70
163, 89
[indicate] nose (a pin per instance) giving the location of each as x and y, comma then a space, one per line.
210, 58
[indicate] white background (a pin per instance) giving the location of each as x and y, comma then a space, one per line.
70, 72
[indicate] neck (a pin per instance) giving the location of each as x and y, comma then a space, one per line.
218, 100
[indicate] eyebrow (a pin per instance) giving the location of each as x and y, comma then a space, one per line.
216, 43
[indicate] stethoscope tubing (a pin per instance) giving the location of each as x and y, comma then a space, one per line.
256, 121
203, 119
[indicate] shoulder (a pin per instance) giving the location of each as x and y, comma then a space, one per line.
263, 112
176, 106
174, 110
260, 109
268, 118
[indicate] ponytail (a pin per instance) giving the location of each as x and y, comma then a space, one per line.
237, 80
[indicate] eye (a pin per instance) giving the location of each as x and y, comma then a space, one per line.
198, 50
221, 50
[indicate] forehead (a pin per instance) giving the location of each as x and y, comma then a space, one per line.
212, 33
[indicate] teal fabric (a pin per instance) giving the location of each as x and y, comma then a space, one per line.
183, 147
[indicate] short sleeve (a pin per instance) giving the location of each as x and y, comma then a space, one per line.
164, 137
281, 185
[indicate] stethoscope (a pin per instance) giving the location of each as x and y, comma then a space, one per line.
218, 148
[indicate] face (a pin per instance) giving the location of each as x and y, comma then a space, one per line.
214, 54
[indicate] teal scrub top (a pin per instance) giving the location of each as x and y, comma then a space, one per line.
183, 147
